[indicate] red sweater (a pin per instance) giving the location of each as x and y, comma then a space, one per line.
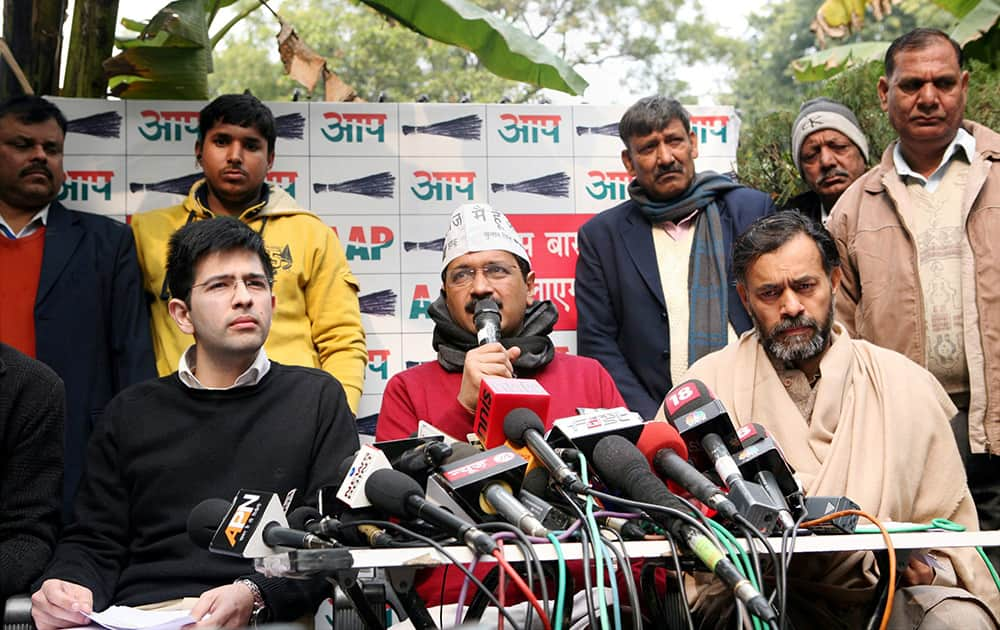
427, 392
20, 269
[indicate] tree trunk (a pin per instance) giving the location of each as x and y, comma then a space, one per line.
90, 43
33, 30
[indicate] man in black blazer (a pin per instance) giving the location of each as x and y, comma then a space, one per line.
70, 290
654, 284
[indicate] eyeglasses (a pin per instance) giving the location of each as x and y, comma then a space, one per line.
226, 285
463, 276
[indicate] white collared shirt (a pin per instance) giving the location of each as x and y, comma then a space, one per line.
40, 219
253, 374
963, 140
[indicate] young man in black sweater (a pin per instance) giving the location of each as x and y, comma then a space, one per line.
229, 418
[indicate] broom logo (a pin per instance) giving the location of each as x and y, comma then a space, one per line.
291, 126
382, 303
103, 125
437, 245
380, 186
464, 128
553, 185
610, 129
176, 186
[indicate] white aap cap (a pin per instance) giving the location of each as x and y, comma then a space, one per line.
477, 227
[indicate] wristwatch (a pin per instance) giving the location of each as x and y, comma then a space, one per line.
258, 599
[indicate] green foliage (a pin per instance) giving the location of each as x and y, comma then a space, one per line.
373, 56
761, 62
501, 48
366, 51
973, 25
764, 158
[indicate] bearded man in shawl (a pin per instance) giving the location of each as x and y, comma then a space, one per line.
854, 420
654, 289
485, 258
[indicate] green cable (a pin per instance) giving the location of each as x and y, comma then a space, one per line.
561, 593
741, 559
591, 524
616, 604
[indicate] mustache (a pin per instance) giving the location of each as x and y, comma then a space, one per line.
834, 172
800, 321
37, 168
470, 306
674, 167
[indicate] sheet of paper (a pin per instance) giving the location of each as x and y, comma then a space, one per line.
128, 618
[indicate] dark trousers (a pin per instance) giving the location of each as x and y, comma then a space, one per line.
983, 473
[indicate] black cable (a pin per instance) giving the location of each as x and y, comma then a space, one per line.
444, 583
528, 550
444, 552
787, 549
680, 579
625, 562
585, 557
754, 555
651, 507
647, 578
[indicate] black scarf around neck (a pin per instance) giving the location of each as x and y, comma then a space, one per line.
451, 341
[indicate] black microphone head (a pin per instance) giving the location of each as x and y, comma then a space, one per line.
204, 521
486, 307
623, 466
536, 481
302, 516
518, 421
616, 460
388, 490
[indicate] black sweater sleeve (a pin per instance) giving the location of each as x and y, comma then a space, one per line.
32, 406
94, 547
336, 438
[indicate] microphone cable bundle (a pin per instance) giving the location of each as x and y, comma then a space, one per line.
596, 479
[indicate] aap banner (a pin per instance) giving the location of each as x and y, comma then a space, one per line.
385, 177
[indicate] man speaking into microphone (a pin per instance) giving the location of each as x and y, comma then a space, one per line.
853, 420
485, 271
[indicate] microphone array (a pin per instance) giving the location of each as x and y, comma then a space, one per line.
601, 470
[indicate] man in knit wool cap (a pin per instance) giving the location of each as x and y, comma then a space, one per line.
830, 150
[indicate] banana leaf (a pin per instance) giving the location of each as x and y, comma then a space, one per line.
170, 58
503, 49
827, 63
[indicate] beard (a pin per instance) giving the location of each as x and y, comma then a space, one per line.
796, 348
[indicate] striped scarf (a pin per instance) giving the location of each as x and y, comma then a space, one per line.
707, 278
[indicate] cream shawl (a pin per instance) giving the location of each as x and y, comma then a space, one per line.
879, 435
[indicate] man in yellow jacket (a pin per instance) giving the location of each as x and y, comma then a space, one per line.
317, 320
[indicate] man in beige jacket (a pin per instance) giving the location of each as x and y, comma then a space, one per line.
918, 235
854, 420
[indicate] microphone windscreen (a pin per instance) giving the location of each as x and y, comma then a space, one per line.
536, 481
204, 521
388, 490
685, 398
660, 435
618, 461
518, 421
301, 515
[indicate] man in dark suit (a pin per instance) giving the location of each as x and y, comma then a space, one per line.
70, 290
654, 284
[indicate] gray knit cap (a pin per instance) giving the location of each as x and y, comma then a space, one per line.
823, 113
